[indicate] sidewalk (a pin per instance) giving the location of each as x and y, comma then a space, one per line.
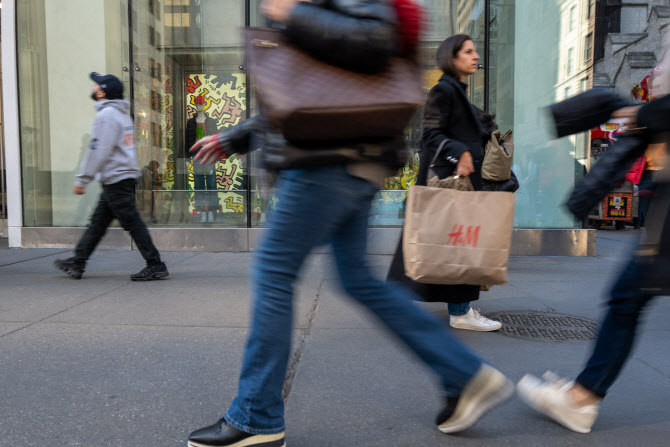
108, 362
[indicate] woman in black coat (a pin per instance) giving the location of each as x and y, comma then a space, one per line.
453, 126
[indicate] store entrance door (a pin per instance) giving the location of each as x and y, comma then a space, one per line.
186, 79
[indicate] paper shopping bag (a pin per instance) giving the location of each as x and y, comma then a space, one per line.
457, 237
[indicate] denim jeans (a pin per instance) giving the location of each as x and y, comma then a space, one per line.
206, 192
117, 201
457, 309
617, 332
315, 206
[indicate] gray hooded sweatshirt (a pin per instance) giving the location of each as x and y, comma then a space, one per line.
111, 153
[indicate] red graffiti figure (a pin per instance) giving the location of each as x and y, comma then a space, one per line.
457, 236
192, 84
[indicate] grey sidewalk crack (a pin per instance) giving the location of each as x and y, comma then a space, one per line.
299, 351
652, 367
65, 310
37, 257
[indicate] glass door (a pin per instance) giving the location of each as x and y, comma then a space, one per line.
188, 81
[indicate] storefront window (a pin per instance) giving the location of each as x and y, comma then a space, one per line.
183, 68
174, 57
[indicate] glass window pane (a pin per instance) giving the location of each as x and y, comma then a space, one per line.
188, 86
56, 111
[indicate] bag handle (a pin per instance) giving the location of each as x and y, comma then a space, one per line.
437, 152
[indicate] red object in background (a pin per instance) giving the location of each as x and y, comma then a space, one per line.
410, 16
635, 173
199, 99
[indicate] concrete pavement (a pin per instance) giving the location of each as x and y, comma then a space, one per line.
108, 362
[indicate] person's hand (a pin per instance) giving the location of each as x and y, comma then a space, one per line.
279, 10
629, 113
210, 150
465, 165
79, 190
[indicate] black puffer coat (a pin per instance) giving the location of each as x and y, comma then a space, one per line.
359, 35
654, 251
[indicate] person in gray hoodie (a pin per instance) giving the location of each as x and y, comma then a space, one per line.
111, 159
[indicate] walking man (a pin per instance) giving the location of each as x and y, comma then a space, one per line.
111, 156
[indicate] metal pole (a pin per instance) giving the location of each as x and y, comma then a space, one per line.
131, 68
487, 47
247, 112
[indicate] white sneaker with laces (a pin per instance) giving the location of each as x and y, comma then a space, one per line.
474, 321
550, 397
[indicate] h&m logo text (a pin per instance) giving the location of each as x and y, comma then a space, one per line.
464, 235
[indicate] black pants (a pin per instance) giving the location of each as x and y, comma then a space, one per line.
117, 201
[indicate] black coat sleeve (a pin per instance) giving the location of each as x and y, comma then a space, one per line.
358, 36
655, 115
237, 139
439, 107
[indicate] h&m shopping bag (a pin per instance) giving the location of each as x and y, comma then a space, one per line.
457, 237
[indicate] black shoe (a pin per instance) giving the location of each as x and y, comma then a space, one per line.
72, 266
223, 435
484, 391
151, 272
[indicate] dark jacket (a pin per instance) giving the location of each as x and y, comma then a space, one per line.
358, 35
450, 118
585, 111
654, 251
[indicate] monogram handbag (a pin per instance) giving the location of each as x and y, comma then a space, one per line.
310, 100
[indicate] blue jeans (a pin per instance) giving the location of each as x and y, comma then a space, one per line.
315, 206
617, 332
457, 309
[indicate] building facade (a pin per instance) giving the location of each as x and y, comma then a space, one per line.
173, 54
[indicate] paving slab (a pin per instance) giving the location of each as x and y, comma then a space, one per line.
184, 300
83, 385
10, 256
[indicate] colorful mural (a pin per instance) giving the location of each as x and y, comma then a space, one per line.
226, 102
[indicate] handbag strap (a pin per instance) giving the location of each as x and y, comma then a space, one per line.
452, 182
438, 151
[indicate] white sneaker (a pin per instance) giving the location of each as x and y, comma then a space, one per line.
550, 397
488, 388
474, 321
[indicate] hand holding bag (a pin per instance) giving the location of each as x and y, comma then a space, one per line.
310, 100
497, 164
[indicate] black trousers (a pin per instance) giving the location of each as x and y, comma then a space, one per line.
117, 201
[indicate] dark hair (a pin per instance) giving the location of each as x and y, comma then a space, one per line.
448, 51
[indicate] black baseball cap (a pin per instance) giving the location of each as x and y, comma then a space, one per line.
109, 84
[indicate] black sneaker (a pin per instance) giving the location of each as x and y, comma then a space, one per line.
151, 272
488, 388
223, 435
74, 267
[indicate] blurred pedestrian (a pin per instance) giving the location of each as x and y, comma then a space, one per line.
323, 201
453, 126
575, 404
111, 156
